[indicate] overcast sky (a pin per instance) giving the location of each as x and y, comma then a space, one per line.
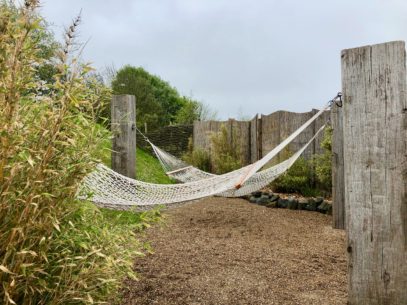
241, 57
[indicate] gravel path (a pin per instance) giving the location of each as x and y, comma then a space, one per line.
228, 251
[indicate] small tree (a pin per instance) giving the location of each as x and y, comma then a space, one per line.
157, 102
138, 82
189, 113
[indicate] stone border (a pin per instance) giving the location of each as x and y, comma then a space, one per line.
272, 200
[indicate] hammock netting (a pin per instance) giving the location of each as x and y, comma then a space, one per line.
254, 183
112, 190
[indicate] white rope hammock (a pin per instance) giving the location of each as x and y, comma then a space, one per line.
110, 189
259, 180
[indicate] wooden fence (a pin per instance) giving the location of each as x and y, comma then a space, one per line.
173, 139
262, 133
238, 132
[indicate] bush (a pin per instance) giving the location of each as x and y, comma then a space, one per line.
197, 157
226, 152
224, 156
323, 163
297, 179
309, 177
53, 250
89, 253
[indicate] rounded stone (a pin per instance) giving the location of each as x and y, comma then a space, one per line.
274, 198
302, 203
272, 204
292, 203
322, 207
311, 206
252, 199
263, 200
256, 194
319, 200
282, 203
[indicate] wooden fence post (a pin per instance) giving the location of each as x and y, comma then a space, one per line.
375, 159
338, 187
123, 108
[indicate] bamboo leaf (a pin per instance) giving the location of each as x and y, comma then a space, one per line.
9, 298
5, 270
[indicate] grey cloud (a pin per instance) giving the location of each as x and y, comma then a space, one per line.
257, 56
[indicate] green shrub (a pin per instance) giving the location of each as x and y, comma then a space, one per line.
224, 156
89, 254
297, 179
53, 250
309, 177
323, 163
225, 152
197, 157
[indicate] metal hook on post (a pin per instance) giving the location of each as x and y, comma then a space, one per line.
335, 100
340, 103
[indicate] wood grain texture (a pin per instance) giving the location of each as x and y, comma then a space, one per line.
254, 137
270, 131
123, 111
276, 127
338, 187
238, 132
375, 135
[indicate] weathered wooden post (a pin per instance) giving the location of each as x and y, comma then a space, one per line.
123, 109
375, 158
338, 188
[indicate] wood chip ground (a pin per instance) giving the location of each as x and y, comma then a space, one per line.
228, 251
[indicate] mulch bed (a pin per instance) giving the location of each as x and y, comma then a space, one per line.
228, 251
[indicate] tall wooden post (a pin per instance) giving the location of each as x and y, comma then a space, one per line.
123, 109
375, 158
338, 187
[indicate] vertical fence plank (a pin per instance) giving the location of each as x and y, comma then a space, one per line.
260, 137
238, 133
254, 145
123, 110
270, 134
375, 135
338, 187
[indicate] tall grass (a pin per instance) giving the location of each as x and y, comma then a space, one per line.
224, 154
53, 250
197, 157
225, 151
